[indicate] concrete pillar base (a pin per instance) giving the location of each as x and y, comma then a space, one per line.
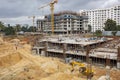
118, 65
38, 51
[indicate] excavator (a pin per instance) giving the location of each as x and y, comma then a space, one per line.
85, 70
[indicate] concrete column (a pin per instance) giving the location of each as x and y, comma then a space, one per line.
38, 51
87, 53
42, 53
118, 64
108, 73
107, 60
118, 58
46, 46
64, 50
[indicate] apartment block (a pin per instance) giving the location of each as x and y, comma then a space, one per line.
97, 17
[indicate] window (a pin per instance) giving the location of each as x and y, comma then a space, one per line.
65, 28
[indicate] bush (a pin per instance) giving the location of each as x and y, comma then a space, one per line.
114, 33
98, 33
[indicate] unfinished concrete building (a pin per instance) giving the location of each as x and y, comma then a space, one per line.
78, 49
66, 22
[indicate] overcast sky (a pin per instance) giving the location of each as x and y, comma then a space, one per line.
17, 11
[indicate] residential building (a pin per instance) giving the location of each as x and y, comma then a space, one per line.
97, 17
40, 25
64, 22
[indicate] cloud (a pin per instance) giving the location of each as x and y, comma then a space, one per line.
110, 3
20, 20
16, 20
16, 11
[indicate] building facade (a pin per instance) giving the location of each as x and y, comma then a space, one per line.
77, 48
40, 25
64, 22
97, 17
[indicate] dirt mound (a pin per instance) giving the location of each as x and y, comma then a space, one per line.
62, 76
49, 67
15, 40
1, 40
10, 59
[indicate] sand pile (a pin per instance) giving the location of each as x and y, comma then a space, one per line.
50, 67
10, 59
15, 40
27, 47
1, 40
62, 76
114, 74
8, 55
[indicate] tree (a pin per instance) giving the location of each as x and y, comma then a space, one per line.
110, 25
25, 29
114, 33
2, 27
118, 27
89, 28
17, 28
98, 33
32, 29
9, 31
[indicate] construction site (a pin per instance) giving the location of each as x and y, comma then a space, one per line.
20, 61
71, 55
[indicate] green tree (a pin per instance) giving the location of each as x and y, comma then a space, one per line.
118, 27
32, 29
25, 29
110, 25
9, 31
2, 27
18, 27
98, 33
114, 33
89, 28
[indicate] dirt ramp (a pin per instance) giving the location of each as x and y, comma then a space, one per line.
9, 60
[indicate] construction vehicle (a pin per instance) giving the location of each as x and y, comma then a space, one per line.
51, 4
85, 70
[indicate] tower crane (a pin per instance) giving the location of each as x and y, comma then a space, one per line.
51, 4
33, 20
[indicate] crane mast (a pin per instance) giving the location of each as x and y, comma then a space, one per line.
51, 4
52, 17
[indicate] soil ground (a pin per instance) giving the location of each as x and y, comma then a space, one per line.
18, 63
